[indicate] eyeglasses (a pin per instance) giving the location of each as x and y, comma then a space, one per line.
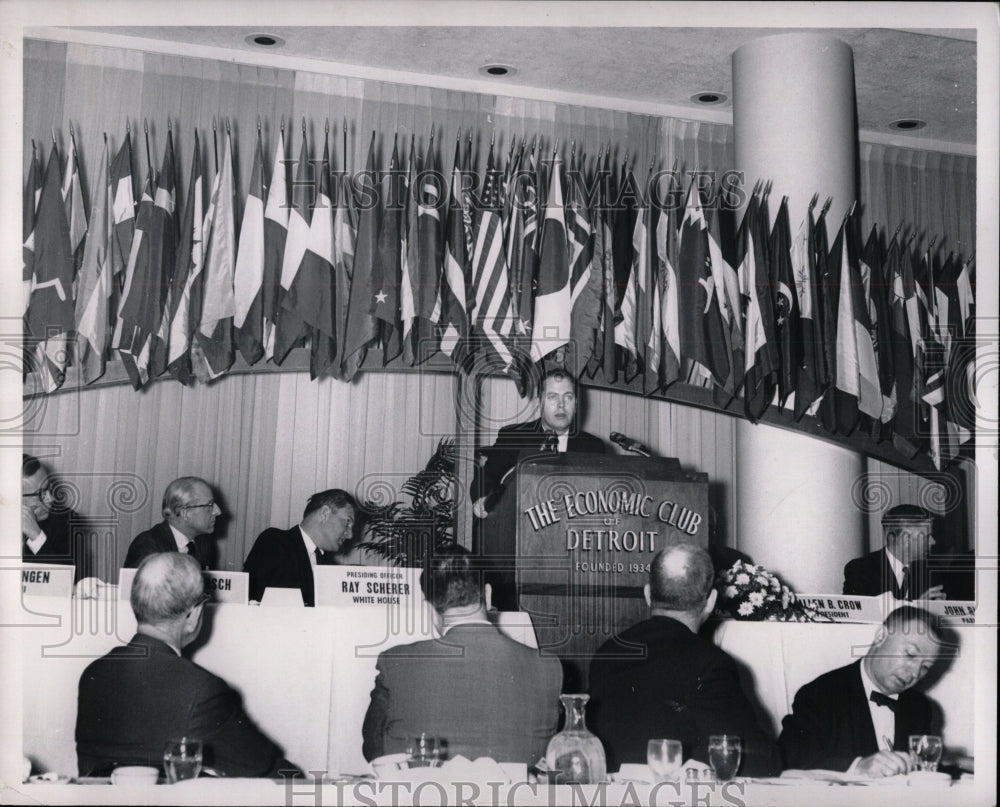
42, 491
210, 503
201, 601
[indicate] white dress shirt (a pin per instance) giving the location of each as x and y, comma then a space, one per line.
310, 546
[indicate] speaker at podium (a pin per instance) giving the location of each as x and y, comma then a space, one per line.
571, 537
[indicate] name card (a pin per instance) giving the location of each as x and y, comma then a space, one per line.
845, 608
367, 586
47, 580
228, 587
951, 612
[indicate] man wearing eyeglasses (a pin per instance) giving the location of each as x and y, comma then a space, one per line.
189, 512
49, 534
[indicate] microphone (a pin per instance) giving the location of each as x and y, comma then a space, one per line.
630, 445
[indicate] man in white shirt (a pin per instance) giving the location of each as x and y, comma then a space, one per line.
189, 513
858, 718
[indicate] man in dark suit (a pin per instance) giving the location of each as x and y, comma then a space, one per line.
142, 694
660, 679
189, 512
900, 567
858, 718
286, 558
50, 534
482, 693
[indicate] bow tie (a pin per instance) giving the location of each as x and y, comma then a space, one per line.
881, 699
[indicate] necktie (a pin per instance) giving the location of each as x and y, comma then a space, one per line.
881, 699
904, 587
319, 556
192, 550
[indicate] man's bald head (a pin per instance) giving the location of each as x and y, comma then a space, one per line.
681, 578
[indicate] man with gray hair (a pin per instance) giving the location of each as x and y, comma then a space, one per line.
142, 694
189, 512
659, 678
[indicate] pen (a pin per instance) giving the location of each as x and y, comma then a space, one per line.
885, 741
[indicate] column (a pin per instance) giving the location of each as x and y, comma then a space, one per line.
794, 123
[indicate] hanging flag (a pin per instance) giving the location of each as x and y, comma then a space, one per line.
649, 325
702, 330
49, 321
625, 202
409, 243
123, 217
727, 284
452, 291
627, 312
427, 257
313, 294
606, 250
524, 269
666, 278
32, 193
875, 286
786, 303
138, 336
846, 391
212, 349
809, 385
95, 278
387, 268
905, 424
187, 283
275, 235
869, 387
72, 195
490, 315
516, 183
553, 300
761, 370
585, 283
361, 330
248, 277
345, 236
290, 330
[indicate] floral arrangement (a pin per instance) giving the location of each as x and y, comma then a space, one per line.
751, 592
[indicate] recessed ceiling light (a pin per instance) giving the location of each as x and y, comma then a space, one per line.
497, 70
908, 124
265, 40
709, 97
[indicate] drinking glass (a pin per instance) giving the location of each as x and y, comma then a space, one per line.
182, 759
926, 749
424, 751
664, 758
724, 752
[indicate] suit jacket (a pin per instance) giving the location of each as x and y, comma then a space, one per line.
671, 683
142, 694
515, 443
871, 575
279, 559
481, 692
831, 724
160, 538
65, 543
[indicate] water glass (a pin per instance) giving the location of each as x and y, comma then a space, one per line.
664, 758
424, 751
926, 750
724, 753
182, 759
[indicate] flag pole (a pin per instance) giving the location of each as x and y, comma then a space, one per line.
215, 144
149, 159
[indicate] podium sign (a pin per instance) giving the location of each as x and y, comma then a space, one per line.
47, 580
227, 587
367, 587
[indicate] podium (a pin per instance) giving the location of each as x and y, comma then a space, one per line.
571, 540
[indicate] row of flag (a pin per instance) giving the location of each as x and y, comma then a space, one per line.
533, 262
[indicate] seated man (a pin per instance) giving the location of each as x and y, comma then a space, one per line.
50, 535
900, 567
660, 679
482, 693
140, 695
858, 718
285, 558
189, 512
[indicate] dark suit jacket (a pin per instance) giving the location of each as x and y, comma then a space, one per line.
481, 692
142, 694
515, 443
65, 543
871, 575
677, 685
831, 724
160, 538
279, 559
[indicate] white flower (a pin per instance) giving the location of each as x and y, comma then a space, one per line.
745, 609
785, 598
742, 579
730, 592
756, 597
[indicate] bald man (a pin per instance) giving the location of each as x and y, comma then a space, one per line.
659, 678
189, 513
140, 695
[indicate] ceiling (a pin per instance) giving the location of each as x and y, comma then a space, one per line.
928, 74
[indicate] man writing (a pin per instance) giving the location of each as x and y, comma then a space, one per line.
481, 692
900, 567
858, 718
142, 694
286, 558
189, 513
660, 679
